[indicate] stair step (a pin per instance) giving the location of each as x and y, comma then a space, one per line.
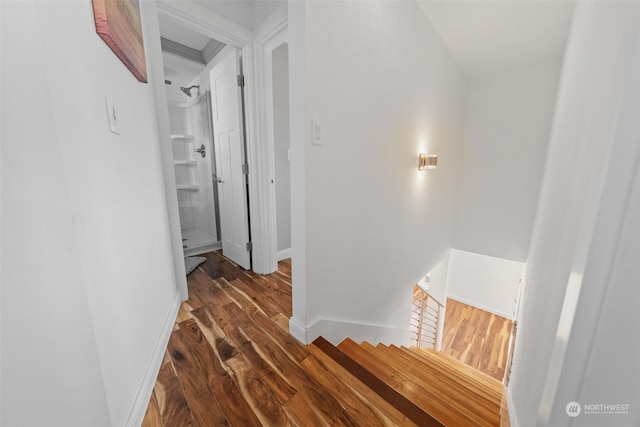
483, 385
455, 393
406, 386
486, 395
446, 408
454, 369
452, 393
394, 415
389, 394
355, 406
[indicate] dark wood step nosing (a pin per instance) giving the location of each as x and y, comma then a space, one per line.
395, 399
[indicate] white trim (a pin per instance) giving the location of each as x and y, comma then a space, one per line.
283, 254
298, 331
513, 418
155, 69
259, 89
206, 22
335, 331
142, 397
441, 317
298, 137
482, 307
276, 39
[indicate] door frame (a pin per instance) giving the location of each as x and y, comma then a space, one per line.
266, 42
251, 45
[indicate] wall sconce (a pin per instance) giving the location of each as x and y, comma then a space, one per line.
427, 161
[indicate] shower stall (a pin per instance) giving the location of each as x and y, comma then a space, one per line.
193, 159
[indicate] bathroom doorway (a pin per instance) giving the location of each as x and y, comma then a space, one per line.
208, 143
246, 28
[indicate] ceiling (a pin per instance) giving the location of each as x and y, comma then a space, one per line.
169, 29
487, 36
484, 36
246, 13
179, 54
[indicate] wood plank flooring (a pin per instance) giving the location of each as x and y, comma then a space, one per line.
476, 337
231, 362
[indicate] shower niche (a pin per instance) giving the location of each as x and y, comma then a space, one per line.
194, 164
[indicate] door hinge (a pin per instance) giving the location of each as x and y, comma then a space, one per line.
241, 81
245, 169
249, 246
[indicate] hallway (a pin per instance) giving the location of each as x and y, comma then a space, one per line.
230, 361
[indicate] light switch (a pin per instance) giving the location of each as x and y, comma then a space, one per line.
112, 117
316, 132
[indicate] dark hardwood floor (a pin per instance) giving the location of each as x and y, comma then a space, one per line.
230, 361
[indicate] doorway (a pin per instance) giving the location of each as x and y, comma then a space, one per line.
249, 42
281, 148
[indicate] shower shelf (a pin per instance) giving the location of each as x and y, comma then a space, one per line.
190, 204
184, 138
184, 162
188, 187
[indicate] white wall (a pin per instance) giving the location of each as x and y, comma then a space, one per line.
486, 282
281, 145
49, 357
367, 205
299, 137
601, 362
571, 247
89, 284
179, 71
439, 279
508, 121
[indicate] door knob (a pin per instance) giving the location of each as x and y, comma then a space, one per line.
201, 150
217, 179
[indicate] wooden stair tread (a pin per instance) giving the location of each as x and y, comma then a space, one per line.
460, 397
393, 414
365, 375
353, 403
487, 396
492, 389
406, 386
460, 370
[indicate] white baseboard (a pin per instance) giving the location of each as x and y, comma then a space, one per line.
513, 419
141, 400
283, 254
335, 331
482, 307
298, 331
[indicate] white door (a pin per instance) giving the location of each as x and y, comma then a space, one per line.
226, 107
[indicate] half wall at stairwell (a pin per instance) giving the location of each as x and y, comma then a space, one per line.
385, 88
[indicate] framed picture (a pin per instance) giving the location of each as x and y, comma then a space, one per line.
118, 24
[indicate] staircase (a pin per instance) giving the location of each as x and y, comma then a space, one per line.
420, 387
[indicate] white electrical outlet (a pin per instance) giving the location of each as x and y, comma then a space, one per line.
112, 117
